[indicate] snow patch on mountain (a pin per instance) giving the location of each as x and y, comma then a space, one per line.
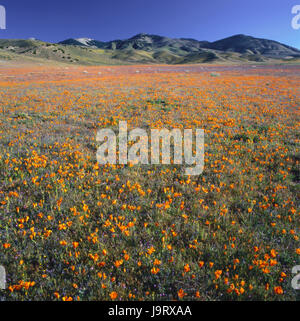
85, 41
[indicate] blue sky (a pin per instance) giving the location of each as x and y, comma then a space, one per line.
211, 20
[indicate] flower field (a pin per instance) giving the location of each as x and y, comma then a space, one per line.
71, 229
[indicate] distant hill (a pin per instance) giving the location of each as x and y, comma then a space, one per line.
256, 46
149, 49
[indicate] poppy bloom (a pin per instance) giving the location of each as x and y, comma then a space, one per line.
181, 293
113, 295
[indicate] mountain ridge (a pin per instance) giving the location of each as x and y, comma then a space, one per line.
237, 43
146, 48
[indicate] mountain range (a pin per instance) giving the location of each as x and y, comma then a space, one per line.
149, 49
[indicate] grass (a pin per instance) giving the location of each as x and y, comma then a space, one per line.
74, 230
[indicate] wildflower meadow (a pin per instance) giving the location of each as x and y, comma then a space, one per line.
72, 229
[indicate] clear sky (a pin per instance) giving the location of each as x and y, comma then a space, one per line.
56, 20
